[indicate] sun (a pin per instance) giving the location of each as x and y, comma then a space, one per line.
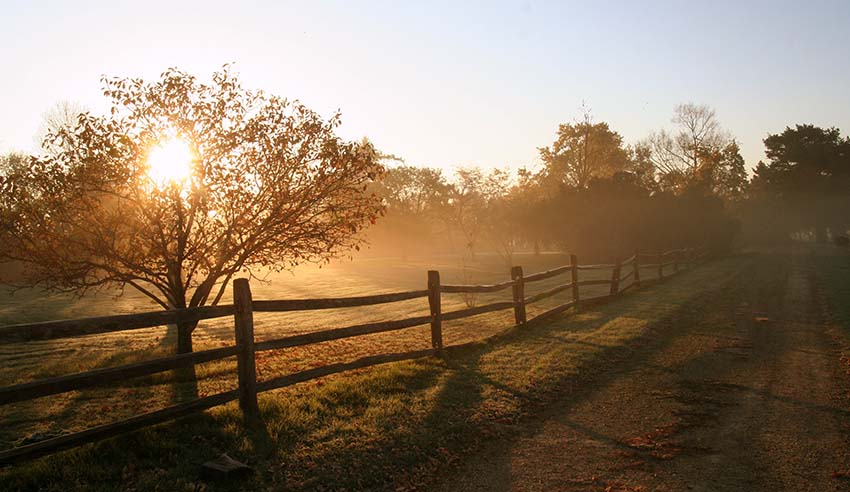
170, 162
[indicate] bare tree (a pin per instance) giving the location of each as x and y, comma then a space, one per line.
64, 115
269, 185
679, 155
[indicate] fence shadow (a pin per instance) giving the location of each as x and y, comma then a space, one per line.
185, 384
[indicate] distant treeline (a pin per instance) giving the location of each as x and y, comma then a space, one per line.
598, 197
594, 195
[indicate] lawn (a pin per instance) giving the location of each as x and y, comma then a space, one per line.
385, 427
832, 266
73, 411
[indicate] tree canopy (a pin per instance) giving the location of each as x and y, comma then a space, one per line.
681, 156
593, 194
806, 179
583, 151
269, 186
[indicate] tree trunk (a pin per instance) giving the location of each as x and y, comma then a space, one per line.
184, 337
186, 382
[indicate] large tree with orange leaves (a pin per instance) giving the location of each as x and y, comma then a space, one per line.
270, 185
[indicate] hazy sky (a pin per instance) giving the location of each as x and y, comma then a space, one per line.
450, 83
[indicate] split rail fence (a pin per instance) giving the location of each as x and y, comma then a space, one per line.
246, 347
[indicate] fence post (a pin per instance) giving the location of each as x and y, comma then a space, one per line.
519, 295
615, 278
436, 311
660, 265
247, 369
574, 275
637, 269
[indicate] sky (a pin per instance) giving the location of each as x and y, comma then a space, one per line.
450, 84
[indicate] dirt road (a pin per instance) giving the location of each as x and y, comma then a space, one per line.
743, 391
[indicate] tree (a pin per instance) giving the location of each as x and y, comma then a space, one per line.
583, 151
619, 214
503, 214
641, 166
528, 218
808, 177
13, 162
469, 205
61, 116
765, 216
269, 185
413, 190
679, 156
723, 173
415, 199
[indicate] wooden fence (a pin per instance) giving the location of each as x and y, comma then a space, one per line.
245, 346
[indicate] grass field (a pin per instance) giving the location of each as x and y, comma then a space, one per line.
833, 270
327, 421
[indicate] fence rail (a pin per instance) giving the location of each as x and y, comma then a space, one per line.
334, 303
50, 330
101, 377
245, 346
456, 289
337, 333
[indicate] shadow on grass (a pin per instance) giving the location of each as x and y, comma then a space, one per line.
359, 431
52, 416
763, 287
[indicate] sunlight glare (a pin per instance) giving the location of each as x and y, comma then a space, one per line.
170, 162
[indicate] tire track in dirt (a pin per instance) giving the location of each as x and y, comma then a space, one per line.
743, 391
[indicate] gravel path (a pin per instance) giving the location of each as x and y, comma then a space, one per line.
743, 391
